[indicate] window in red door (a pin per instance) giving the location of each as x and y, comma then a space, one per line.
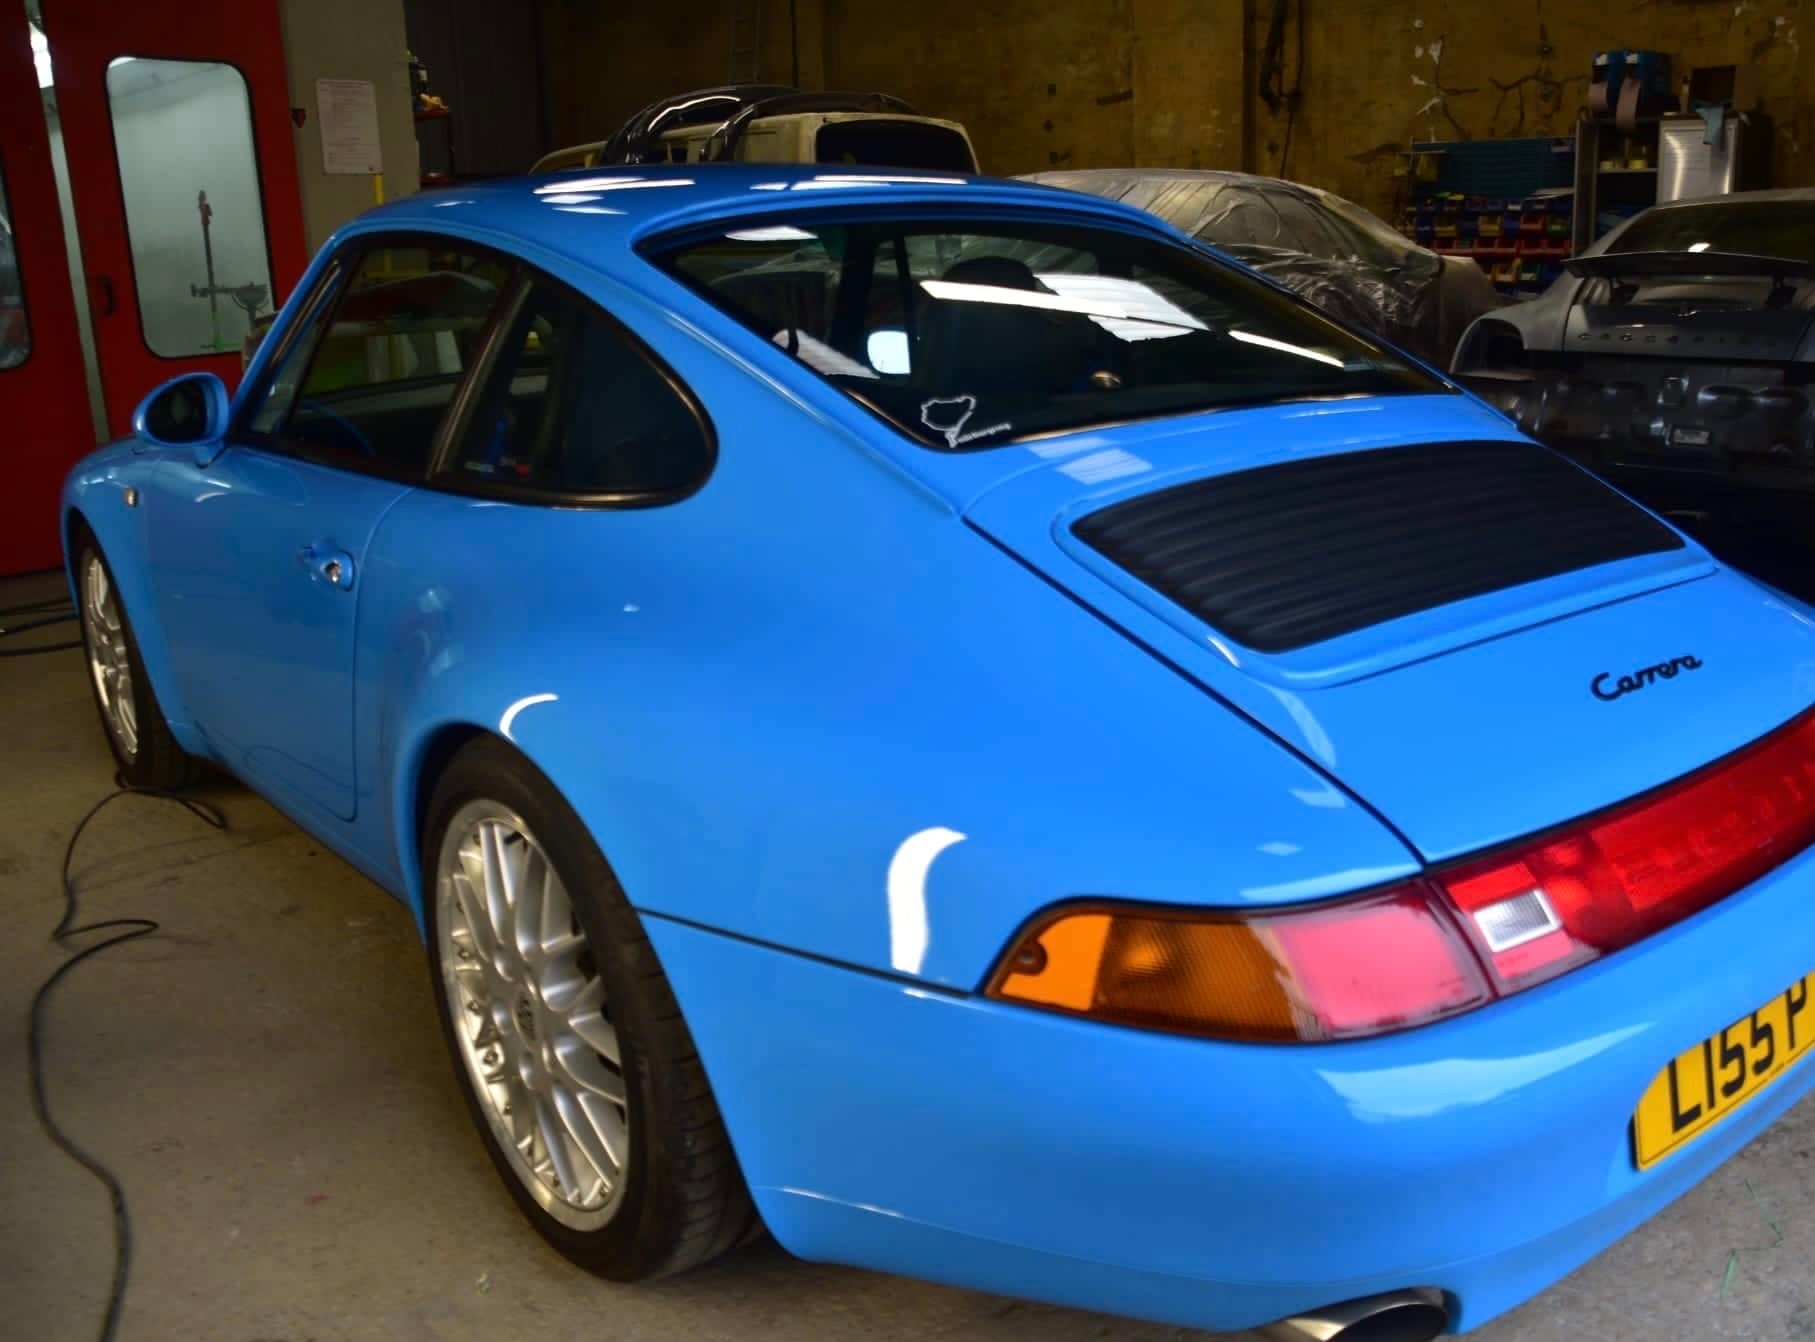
15, 322
195, 221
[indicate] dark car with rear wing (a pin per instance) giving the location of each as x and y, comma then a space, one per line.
1676, 358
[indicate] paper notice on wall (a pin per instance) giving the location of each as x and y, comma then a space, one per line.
347, 112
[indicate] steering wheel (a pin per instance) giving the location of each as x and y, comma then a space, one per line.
357, 438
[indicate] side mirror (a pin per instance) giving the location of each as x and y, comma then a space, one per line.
188, 411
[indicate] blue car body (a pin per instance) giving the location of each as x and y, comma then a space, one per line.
845, 655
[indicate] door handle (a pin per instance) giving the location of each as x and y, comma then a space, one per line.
105, 284
327, 564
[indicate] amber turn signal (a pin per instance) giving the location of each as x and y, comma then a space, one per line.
1361, 967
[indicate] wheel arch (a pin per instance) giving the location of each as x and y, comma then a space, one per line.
123, 549
75, 527
420, 769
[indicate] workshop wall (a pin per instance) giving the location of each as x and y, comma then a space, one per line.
485, 60
1093, 83
1037, 85
1400, 70
349, 39
603, 62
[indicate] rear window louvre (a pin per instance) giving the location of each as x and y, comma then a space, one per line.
1285, 556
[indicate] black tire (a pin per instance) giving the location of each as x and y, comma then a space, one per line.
682, 1200
154, 759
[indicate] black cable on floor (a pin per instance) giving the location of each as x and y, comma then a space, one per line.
124, 930
34, 607
44, 614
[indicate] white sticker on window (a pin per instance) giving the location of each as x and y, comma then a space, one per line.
955, 412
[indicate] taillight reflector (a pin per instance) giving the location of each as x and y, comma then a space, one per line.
1473, 931
1616, 878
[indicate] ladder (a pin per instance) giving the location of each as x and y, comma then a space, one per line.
746, 41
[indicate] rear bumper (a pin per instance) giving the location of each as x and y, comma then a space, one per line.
1222, 1186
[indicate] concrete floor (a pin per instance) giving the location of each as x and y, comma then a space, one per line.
265, 1077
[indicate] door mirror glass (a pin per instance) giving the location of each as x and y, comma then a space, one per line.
888, 353
189, 411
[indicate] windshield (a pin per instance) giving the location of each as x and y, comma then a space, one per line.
1368, 237
968, 335
1781, 228
894, 143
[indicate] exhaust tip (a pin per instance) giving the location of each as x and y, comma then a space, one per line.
1398, 1316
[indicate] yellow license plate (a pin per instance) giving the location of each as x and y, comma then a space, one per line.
1704, 1085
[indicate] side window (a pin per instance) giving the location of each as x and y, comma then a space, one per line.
368, 387
15, 331
575, 406
292, 362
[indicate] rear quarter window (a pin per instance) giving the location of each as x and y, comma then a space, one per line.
578, 409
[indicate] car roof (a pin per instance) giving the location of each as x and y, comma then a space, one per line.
1789, 195
1230, 176
590, 213
1093, 177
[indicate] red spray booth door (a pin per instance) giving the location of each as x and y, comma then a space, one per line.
182, 164
44, 417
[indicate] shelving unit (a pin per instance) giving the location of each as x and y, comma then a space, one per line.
1616, 175
1505, 203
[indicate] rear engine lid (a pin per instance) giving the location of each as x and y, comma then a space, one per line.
1473, 635
1696, 305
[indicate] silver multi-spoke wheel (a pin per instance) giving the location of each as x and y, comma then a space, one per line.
528, 1011
107, 659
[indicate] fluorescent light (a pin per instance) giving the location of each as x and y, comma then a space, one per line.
891, 177
778, 233
1268, 342
1145, 314
821, 357
956, 291
821, 184
848, 181
1138, 314
571, 186
1699, 246
41, 55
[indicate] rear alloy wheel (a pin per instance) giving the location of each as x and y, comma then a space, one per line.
568, 1044
147, 754
529, 1015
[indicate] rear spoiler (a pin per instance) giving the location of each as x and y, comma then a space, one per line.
1723, 265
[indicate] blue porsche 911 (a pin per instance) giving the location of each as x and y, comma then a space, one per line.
944, 719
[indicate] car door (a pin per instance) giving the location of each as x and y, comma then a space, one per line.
258, 556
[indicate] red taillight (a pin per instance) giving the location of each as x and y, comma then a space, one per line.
1388, 961
1611, 880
